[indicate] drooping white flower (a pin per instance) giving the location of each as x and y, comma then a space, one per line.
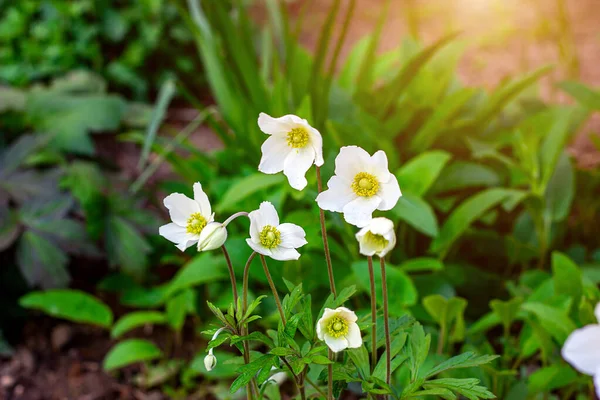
269, 238
190, 217
212, 236
338, 329
377, 238
293, 147
210, 361
582, 350
361, 185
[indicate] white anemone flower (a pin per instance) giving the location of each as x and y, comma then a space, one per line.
190, 217
210, 361
293, 147
361, 185
582, 350
270, 238
338, 329
377, 238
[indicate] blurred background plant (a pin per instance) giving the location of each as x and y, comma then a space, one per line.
497, 252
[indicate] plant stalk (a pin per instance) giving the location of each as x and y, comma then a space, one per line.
231, 277
373, 315
386, 325
275, 295
325, 241
251, 388
330, 376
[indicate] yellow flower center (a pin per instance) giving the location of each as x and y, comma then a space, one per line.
270, 237
297, 138
365, 184
377, 241
195, 223
337, 327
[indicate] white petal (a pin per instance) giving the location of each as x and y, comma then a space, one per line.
338, 194
274, 126
292, 236
597, 382
316, 141
336, 344
353, 336
283, 254
350, 161
582, 349
389, 193
202, 199
177, 234
268, 214
347, 314
320, 333
366, 248
359, 211
297, 162
597, 312
180, 208
274, 152
258, 248
381, 226
379, 164
255, 226
328, 313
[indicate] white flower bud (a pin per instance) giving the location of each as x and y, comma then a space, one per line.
212, 236
210, 361
377, 238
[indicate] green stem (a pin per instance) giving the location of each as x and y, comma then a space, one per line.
231, 277
252, 387
273, 289
441, 338
386, 325
317, 388
330, 376
373, 315
324, 235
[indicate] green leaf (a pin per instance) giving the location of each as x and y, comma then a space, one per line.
552, 319
247, 372
177, 307
420, 172
398, 283
344, 295
282, 351
567, 277
134, 320
551, 378
70, 117
421, 264
203, 268
582, 93
360, 358
41, 262
417, 213
465, 360
467, 213
447, 312
126, 247
560, 190
468, 387
418, 349
165, 95
72, 305
246, 187
461, 175
130, 351
506, 310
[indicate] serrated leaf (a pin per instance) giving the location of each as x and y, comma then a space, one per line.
41, 262
72, 305
129, 352
465, 360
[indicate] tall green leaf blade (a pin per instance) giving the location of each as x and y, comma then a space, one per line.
204, 268
72, 305
465, 214
420, 172
134, 320
582, 93
246, 187
417, 213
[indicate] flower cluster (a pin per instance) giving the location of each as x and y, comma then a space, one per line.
361, 185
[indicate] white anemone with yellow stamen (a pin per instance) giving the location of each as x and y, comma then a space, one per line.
361, 185
189, 216
293, 147
270, 238
377, 238
338, 329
